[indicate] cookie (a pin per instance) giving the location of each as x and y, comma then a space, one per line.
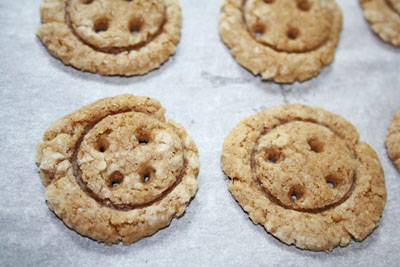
111, 37
393, 139
281, 40
301, 172
116, 170
384, 17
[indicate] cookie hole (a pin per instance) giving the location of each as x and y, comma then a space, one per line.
143, 142
116, 178
102, 144
258, 30
269, 1
272, 155
86, 2
316, 145
101, 25
296, 192
332, 180
147, 173
134, 26
293, 33
303, 5
143, 137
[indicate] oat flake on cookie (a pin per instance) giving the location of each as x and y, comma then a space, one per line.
302, 173
116, 170
281, 40
111, 37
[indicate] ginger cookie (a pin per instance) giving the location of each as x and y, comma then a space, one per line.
111, 37
281, 40
393, 139
384, 17
116, 170
301, 172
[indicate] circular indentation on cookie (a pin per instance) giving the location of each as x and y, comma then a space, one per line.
116, 178
316, 145
138, 145
100, 25
269, 1
293, 33
303, 5
304, 170
87, 1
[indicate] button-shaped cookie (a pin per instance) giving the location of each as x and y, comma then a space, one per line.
392, 140
111, 37
116, 170
384, 17
301, 172
281, 40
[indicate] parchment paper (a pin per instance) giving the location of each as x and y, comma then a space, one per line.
204, 89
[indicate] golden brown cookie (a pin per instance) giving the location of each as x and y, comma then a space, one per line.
393, 139
384, 17
111, 37
282, 40
301, 172
116, 170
